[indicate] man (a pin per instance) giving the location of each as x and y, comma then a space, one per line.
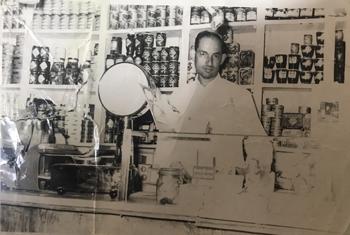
209, 104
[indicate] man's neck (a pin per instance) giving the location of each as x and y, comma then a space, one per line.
205, 81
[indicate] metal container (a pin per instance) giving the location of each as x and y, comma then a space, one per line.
160, 39
147, 55
130, 44
294, 48
149, 40
293, 76
308, 39
174, 53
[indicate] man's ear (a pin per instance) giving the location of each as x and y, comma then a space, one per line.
223, 58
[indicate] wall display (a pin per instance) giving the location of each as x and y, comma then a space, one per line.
254, 117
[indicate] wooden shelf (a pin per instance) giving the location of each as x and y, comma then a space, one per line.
294, 86
152, 29
13, 31
296, 21
59, 33
10, 86
53, 87
231, 24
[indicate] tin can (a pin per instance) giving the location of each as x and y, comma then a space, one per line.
306, 77
270, 102
281, 61
318, 64
147, 55
116, 45
269, 75
230, 14
320, 38
138, 60
306, 64
164, 54
129, 59
44, 53
339, 35
308, 39
161, 11
195, 15
33, 78
141, 24
247, 58
164, 68
246, 76
179, 15
240, 14
35, 52
149, 40
319, 51
156, 79
174, 53
139, 44
130, 44
163, 82
294, 48
173, 67
234, 48
281, 75
293, 76
151, 23
110, 61
156, 54
155, 68
119, 58
204, 17
160, 39
171, 22
147, 67
251, 14
173, 80
307, 51
318, 77
293, 61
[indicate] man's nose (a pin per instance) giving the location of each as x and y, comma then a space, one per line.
209, 60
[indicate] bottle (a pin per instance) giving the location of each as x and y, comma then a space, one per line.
339, 60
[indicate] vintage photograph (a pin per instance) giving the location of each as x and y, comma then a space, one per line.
150, 117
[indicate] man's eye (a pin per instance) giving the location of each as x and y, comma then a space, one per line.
202, 53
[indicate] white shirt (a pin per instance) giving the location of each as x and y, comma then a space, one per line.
220, 107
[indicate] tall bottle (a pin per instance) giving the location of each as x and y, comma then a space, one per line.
339, 60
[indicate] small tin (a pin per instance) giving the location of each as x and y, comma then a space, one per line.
164, 54
293, 76
147, 55
307, 51
281, 61
163, 81
35, 52
294, 48
318, 64
247, 58
339, 35
251, 14
318, 77
205, 17
308, 39
149, 40
195, 15
319, 51
306, 64
147, 67
160, 39
174, 53
173, 80
156, 54
281, 75
164, 68
306, 77
155, 68
320, 38
138, 60
130, 44
230, 14
240, 13
269, 75
246, 76
139, 44
293, 61
116, 45
161, 22
173, 67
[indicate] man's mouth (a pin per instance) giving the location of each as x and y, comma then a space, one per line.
208, 69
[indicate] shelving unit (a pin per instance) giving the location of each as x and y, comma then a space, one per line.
250, 35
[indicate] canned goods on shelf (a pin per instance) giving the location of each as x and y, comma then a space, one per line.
161, 11
308, 39
174, 53
195, 15
147, 67
155, 68
147, 55
164, 54
240, 14
164, 68
163, 81
156, 54
161, 39
270, 102
173, 67
149, 40
229, 14
173, 80
204, 17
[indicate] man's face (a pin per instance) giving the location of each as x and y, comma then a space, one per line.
208, 57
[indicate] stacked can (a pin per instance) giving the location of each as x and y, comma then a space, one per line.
276, 120
142, 16
306, 111
339, 57
17, 60
267, 114
7, 59
97, 18
72, 68
87, 127
13, 17
57, 72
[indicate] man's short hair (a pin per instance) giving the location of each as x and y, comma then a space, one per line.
210, 34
